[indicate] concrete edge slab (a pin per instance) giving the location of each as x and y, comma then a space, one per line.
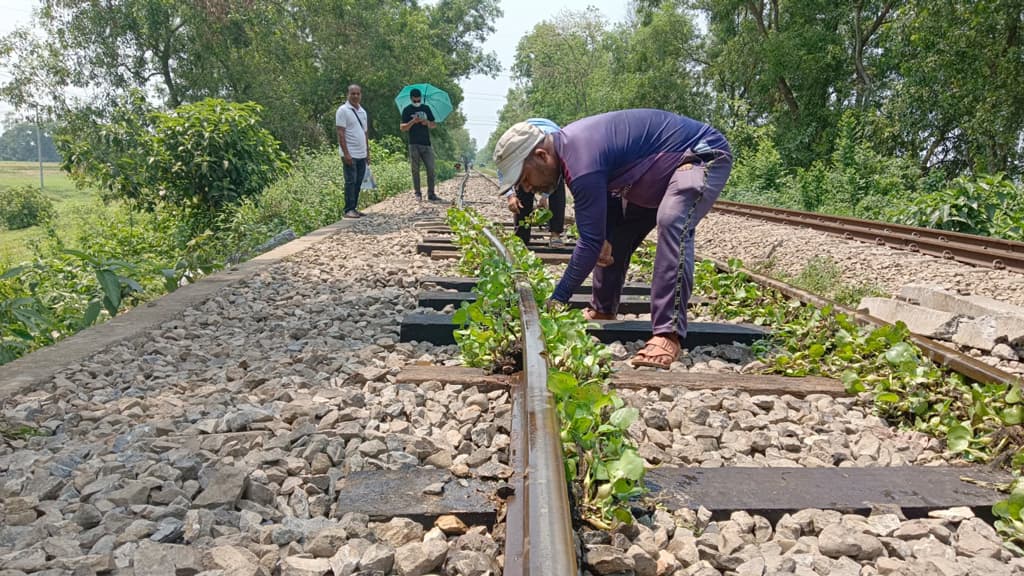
32, 369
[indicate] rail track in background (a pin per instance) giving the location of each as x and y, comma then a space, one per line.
538, 494
980, 251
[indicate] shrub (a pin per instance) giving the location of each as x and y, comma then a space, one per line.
758, 176
214, 153
312, 195
24, 206
202, 156
986, 205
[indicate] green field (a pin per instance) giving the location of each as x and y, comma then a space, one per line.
14, 244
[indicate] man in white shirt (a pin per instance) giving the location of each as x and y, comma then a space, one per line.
354, 145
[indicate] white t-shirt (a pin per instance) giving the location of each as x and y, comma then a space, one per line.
355, 129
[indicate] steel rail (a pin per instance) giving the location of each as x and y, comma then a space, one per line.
538, 524
938, 353
460, 201
983, 251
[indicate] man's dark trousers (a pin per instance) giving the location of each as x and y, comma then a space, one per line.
354, 174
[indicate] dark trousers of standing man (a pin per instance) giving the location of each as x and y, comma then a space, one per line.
556, 202
420, 153
354, 174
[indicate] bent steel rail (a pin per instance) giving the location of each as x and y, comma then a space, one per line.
538, 524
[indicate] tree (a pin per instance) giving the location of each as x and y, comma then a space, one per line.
565, 67
957, 102
18, 143
788, 61
658, 64
293, 57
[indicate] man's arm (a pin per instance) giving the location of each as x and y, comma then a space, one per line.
408, 120
590, 195
430, 118
344, 145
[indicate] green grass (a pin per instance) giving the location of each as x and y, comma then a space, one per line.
14, 244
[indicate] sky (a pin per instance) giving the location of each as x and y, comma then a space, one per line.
483, 96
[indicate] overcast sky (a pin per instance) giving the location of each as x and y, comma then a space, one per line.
484, 96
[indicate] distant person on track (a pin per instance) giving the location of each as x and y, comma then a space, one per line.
354, 145
418, 120
521, 203
629, 172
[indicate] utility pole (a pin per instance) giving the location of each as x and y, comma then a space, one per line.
39, 151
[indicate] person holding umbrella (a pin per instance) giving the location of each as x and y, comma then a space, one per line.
629, 172
418, 119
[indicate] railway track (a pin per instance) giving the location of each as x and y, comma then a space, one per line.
982, 251
769, 492
282, 427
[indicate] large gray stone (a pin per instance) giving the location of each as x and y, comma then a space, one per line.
837, 540
643, 563
936, 567
936, 297
984, 332
975, 537
233, 560
919, 320
399, 532
684, 547
380, 557
134, 492
326, 543
224, 487
603, 559
417, 559
295, 566
155, 559
470, 563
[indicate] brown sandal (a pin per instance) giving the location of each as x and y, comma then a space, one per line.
659, 352
591, 314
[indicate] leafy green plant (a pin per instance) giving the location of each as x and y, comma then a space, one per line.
990, 205
24, 206
199, 157
214, 153
1009, 519
538, 217
602, 467
642, 262
19, 432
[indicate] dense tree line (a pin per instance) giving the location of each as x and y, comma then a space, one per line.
23, 141
293, 57
933, 83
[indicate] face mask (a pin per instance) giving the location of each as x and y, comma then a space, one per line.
417, 104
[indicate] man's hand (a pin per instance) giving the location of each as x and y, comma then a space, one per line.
514, 205
348, 160
605, 259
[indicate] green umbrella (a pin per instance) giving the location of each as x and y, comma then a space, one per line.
438, 100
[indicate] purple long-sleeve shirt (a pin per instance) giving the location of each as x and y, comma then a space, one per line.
625, 156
